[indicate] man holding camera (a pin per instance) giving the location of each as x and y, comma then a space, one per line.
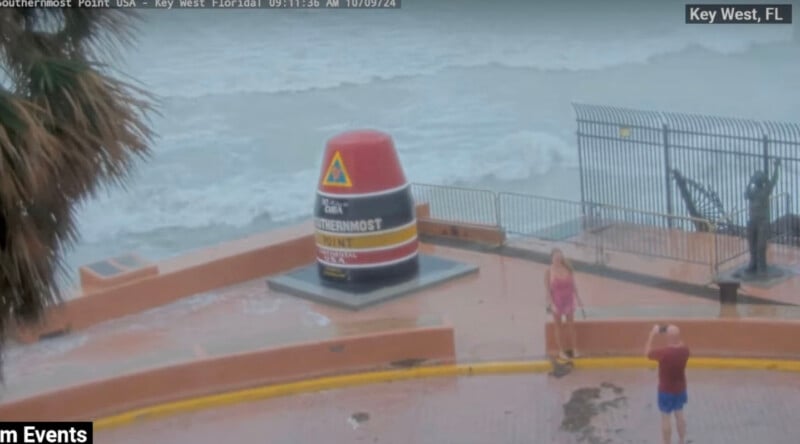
672, 396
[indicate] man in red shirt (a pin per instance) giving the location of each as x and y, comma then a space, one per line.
671, 379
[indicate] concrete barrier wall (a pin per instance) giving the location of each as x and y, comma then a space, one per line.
174, 282
210, 268
706, 337
226, 373
482, 234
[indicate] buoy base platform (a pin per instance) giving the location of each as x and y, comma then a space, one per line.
306, 283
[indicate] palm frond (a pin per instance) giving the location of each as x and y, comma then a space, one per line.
68, 127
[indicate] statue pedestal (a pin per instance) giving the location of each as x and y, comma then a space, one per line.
770, 274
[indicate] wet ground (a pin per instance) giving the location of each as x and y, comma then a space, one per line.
498, 314
584, 407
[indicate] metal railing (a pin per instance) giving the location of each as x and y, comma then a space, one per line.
608, 228
458, 204
626, 156
598, 226
540, 217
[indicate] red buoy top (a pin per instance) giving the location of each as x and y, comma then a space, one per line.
360, 162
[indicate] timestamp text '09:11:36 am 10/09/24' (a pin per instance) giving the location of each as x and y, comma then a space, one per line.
333, 4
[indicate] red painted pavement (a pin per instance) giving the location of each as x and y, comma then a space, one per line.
724, 407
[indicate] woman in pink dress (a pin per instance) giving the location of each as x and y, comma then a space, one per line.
562, 294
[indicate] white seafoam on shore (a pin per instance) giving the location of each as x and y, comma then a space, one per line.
473, 95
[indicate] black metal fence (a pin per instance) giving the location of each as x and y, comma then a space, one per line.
606, 227
626, 157
458, 204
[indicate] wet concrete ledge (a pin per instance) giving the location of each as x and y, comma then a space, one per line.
399, 348
747, 338
700, 291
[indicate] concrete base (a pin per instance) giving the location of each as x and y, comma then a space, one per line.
306, 283
774, 275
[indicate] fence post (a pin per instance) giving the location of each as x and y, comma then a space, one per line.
497, 218
668, 174
714, 250
765, 149
581, 172
599, 245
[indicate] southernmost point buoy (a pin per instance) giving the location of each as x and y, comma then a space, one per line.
365, 230
364, 215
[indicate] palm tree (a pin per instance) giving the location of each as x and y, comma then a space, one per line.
68, 127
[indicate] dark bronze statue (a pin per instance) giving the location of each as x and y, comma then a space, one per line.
758, 195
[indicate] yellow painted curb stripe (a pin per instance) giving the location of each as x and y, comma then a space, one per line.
699, 363
362, 241
488, 368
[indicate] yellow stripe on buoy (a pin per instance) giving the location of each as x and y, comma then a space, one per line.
365, 241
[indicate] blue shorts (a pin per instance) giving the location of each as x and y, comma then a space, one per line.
669, 402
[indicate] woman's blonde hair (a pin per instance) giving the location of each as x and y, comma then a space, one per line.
564, 261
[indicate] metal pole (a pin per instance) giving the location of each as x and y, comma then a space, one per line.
765, 149
497, 212
667, 175
714, 252
581, 178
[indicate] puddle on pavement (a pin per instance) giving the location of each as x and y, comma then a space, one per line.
585, 405
358, 418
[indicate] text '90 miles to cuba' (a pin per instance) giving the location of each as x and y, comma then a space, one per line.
214, 4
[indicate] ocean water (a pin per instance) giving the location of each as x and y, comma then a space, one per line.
474, 93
